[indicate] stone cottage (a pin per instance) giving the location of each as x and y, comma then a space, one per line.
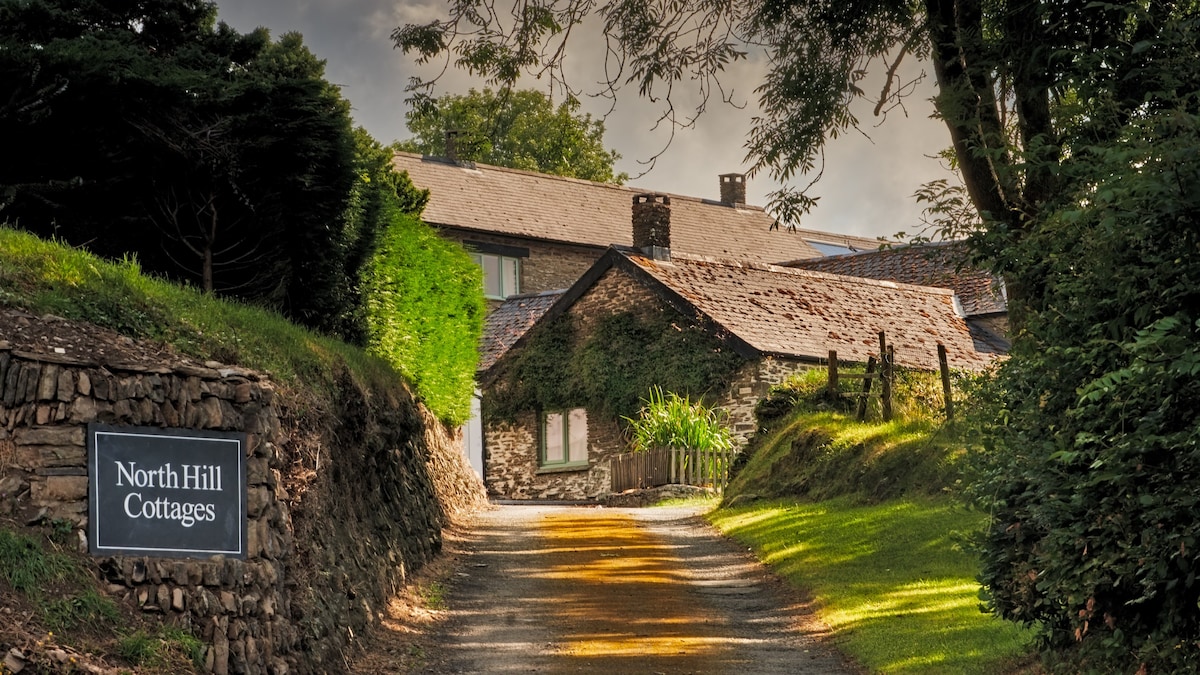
763, 323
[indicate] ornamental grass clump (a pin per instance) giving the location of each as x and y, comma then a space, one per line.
668, 420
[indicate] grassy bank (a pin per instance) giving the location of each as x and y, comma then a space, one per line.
860, 515
44, 277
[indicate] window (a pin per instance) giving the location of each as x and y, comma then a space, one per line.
501, 274
564, 438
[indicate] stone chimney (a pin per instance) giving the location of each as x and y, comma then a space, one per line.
733, 188
652, 225
452, 144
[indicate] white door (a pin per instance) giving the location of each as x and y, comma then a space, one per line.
473, 437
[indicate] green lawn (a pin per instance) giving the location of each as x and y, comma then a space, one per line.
889, 579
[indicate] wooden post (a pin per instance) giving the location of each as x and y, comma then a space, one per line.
889, 377
944, 365
833, 374
866, 390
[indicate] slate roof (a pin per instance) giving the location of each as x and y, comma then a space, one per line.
832, 243
538, 206
508, 322
937, 264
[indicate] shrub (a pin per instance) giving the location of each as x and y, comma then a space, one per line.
1091, 475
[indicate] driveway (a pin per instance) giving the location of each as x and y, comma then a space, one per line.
592, 590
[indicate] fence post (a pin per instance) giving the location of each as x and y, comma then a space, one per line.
866, 389
833, 373
888, 372
944, 365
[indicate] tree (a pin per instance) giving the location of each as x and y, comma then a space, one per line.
521, 129
219, 159
1073, 127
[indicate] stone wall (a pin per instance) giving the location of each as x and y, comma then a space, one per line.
549, 267
342, 503
749, 385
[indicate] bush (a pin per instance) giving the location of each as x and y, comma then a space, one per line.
424, 312
1091, 474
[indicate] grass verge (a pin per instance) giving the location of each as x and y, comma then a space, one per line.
889, 579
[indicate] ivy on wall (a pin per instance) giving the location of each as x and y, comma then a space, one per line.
612, 368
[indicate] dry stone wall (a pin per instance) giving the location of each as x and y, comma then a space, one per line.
342, 504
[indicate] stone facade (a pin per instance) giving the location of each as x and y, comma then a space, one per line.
550, 266
749, 385
334, 526
512, 462
511, 449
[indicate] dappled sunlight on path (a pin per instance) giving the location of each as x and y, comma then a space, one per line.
619, 593
568, 590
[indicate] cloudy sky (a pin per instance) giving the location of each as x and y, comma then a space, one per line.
866, 188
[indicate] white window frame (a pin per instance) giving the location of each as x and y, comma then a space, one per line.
507, 273
562, 437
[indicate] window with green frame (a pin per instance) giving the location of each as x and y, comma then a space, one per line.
564, 438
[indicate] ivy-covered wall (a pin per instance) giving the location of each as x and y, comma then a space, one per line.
606, 352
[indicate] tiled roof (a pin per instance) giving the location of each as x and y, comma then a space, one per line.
927, 265
525, 204
803, 313
508, 322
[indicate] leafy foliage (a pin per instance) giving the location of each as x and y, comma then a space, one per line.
378, 191
1092, 469
424, 312
218, 159
668, 420
521, 129
608, 369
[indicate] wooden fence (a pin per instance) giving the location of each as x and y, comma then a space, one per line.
886, 374
670, 466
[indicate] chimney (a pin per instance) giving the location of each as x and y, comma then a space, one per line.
733, 188
452, 144
652, 225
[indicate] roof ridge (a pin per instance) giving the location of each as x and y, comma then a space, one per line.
479, 166
766, 267
886, 247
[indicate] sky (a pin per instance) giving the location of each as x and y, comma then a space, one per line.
868, 180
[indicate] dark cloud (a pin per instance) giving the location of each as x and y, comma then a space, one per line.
867, 184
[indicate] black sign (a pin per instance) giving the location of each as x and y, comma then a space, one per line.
166, 492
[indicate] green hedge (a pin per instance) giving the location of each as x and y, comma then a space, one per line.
424, 312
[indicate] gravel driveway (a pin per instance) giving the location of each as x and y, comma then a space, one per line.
556, 589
